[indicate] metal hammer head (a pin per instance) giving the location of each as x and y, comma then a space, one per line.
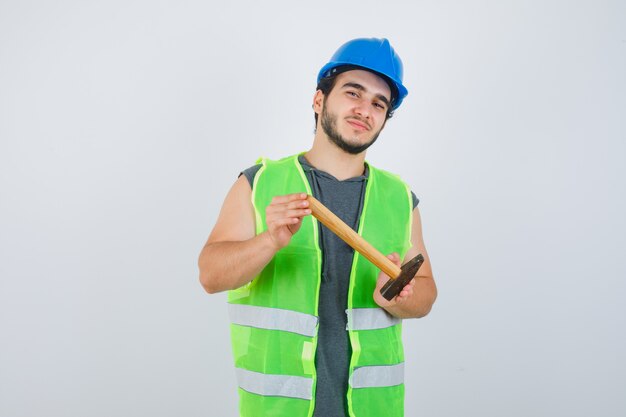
408, 271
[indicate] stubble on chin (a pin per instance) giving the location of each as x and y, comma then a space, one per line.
329, 125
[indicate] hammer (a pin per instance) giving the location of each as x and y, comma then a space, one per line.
399, 277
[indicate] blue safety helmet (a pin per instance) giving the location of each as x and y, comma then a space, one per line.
371, 54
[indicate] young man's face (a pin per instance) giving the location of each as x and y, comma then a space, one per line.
354, 112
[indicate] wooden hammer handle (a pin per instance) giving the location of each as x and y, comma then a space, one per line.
345, 232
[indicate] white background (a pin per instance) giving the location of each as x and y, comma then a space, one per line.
124, 123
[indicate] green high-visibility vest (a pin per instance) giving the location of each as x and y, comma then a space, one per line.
274, 318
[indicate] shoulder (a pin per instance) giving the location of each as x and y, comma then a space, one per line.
250, 173
271, 168
416, 200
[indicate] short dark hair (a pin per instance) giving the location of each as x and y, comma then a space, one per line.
326, 85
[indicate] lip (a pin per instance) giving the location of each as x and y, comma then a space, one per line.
358, 124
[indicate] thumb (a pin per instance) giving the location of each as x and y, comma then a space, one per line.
395, 258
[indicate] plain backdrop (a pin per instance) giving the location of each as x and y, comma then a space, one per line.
124, 123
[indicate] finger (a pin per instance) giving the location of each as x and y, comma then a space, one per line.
284, 207
395, 258
403, 296
298, 204
298, 213
285, 222
406, 292
274, 215
294, 204
282, 199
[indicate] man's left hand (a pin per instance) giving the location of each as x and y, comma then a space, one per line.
404, 295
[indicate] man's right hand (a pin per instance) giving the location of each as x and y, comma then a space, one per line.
234, 254
284, 217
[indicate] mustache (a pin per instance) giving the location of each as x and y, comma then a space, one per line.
360, 120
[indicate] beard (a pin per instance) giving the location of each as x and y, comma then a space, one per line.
329, 125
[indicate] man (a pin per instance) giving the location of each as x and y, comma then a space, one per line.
311, 333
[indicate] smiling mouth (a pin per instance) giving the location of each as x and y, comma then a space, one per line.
358, 125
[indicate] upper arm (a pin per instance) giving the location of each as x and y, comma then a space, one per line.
418, 246
236, 221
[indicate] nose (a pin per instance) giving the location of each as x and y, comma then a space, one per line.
363, 109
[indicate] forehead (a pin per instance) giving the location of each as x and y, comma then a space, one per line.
370, 81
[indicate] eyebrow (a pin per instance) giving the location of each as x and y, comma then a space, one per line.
361, 88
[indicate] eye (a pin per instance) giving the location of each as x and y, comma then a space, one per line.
379, 106
352, 93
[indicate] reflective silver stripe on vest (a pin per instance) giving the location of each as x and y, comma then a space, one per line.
275, 385
273, 319
377, 376
370, 319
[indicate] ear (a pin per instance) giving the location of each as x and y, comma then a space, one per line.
318, 101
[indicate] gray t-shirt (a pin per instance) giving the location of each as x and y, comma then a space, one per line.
332, 359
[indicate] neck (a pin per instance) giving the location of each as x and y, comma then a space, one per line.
326, 156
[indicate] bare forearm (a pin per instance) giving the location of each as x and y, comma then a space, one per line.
229, 265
